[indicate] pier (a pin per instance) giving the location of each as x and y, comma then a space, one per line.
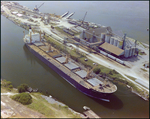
89, 113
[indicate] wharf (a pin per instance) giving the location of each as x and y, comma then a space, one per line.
90, 114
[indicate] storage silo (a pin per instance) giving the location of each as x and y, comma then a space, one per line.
115, 41
120, 43
126, 53
130, 52
103, 36
133, 51
112, 40
107, 38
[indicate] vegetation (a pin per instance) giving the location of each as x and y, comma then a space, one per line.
23, 98
96, 70
131, 77
50, 110
7, 84
142, 52
22, 88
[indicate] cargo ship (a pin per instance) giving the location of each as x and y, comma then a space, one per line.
80, 78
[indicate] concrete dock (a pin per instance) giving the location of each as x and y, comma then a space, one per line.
89, 113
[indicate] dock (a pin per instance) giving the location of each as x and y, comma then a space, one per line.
89, 113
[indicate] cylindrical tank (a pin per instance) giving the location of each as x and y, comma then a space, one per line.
111, 40
115, 42
133, 51
107, 38
119, 45
126, 53
130, 52
103, 36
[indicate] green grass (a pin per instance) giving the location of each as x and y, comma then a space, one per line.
50, 110
132, 78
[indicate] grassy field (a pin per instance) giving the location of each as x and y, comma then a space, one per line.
50, 110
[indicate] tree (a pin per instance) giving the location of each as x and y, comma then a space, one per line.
22, 88
97, 70
23, 98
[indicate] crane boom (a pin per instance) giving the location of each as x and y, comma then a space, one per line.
41, 5
84, 17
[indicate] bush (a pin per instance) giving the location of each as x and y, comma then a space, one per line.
23, 98
22, 88
7, 84
113, 72
97, 70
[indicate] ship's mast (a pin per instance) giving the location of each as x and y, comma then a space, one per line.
67, 58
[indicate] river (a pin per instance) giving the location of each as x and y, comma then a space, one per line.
19, 66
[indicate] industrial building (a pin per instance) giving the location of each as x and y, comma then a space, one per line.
110, 44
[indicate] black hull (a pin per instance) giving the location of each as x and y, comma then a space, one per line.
89, 92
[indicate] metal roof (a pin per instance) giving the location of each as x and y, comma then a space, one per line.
111, 48
94, 81
61, 59
38, 43
71, 65
81, 73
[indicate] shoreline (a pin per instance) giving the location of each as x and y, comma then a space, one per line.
49, 99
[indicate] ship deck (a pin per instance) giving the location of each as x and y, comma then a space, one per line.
42, 50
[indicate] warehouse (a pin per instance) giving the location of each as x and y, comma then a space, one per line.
111, 49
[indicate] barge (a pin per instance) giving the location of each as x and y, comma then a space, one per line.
80, 78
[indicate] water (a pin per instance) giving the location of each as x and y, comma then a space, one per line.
132, 17
19, 66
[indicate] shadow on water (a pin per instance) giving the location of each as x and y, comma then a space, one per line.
115, 103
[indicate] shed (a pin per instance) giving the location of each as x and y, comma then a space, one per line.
112, 49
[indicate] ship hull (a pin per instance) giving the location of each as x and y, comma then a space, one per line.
89, 92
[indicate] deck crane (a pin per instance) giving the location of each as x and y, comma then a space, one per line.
36, 9
90, 71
